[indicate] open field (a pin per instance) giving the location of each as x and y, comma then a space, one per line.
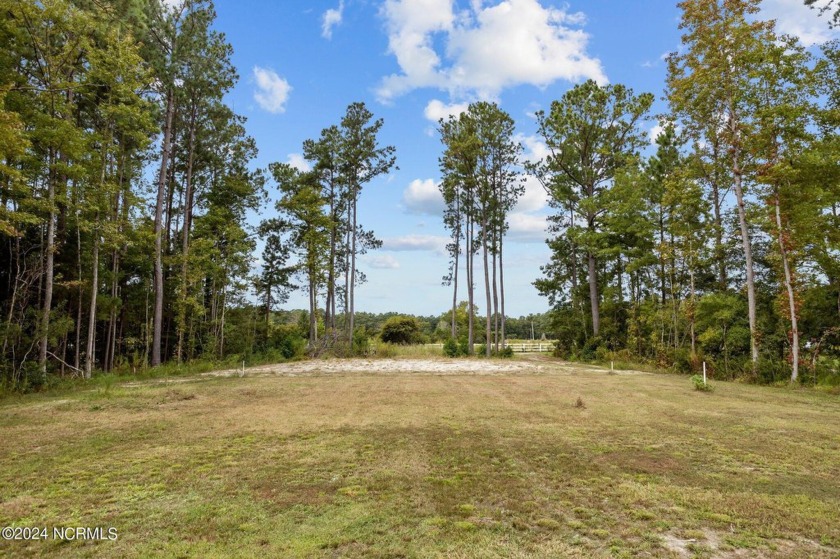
391, 458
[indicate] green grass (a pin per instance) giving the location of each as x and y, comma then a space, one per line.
463, 466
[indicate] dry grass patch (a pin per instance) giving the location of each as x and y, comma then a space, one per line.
395, 463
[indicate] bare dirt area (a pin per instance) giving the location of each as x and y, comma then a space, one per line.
523, 364
342, 366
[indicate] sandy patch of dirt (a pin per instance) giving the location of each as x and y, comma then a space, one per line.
341, 366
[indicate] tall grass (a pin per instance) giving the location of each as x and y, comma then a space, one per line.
382, 349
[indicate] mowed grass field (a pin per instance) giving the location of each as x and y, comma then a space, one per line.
557, 461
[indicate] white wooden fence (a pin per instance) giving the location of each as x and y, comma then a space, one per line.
519, 347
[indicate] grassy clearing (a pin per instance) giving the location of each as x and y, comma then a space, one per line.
559, 462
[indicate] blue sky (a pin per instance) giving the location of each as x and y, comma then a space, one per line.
413, 61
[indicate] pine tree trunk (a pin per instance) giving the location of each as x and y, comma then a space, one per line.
794, 322
313, 319
161, 197
484, 249
185, 238
94, 291
470, 287
502, 289
352, 297
49, 268
78, 347
495, 296
692, 308
737, 175
720, 250
456, 262
593, 294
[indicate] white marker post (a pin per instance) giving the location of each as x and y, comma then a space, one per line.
704, 373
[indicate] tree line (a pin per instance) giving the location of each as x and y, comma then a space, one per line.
723, 244
124, 184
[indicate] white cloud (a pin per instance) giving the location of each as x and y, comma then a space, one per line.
655, 132
486, 48
416, 242
383, 262
330, 19
423, 197
272, 90
535, 148
437, 110
527, 228
173, 5
793, 17
297, 161
534, 198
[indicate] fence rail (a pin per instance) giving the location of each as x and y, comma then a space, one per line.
521, 347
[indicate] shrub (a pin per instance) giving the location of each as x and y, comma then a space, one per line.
700, 385
288, 340
681, 360
401, 330
506, 352
450, 348
768, 371
590, 349
361, 341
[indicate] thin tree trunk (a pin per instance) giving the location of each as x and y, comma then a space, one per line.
455, 265
720, 250
495, 297
470, 287
502, 289
692, 307
737, 174
161, 196
352, 297
94, 291
484, 248
662, 256
329, 307
48, 270
185, 238
78, 347
222, 325
794, 322
593, 293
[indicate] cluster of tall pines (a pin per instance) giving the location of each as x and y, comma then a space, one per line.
480, 186
124, 185
317, 236
722, 246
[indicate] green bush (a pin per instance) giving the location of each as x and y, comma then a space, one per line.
506, 352
288, 340
450, 348
401, 330
700, 385
589, 350
827, 372
681, 360
768, 371
361, 341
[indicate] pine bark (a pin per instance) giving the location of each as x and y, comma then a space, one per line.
161, 197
